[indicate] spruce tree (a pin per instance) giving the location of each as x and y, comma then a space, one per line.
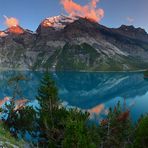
141, 133
48, 94
48, 106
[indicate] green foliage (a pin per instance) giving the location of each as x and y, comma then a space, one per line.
47, 94
118, 130
69, 128
78, 57
49, 103
76, 133
7, 140
141, 134
19, 120
48, 100
146, 73
56, 126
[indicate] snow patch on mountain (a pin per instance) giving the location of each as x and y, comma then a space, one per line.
58, 22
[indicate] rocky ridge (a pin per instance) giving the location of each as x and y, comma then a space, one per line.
68, 43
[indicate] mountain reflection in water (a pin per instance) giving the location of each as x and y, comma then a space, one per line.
93, 91
96, 92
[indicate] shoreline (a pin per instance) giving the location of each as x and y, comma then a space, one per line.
82, 71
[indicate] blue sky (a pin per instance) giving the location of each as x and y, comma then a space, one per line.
31, 12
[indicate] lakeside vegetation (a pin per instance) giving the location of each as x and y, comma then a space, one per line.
7, 140
52, 125
146, 74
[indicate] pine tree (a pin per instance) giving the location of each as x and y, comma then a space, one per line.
47, 98
116, 130
77, 134
48, 94
141, 134
48, 107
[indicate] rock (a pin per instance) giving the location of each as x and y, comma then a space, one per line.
67, 43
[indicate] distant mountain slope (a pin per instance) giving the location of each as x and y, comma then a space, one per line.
68, 43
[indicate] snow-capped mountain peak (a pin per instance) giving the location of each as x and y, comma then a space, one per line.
58, 22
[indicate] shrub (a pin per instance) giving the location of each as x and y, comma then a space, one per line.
141, 135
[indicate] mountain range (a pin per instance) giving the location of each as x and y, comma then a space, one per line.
65, 43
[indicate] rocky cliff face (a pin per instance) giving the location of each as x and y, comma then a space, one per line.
67, 43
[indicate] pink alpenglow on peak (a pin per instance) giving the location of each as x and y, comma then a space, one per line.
58, 22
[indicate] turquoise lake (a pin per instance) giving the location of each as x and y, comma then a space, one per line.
95, 92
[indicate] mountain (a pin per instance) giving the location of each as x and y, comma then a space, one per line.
74, 43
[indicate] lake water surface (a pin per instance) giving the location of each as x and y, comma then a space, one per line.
94, 92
